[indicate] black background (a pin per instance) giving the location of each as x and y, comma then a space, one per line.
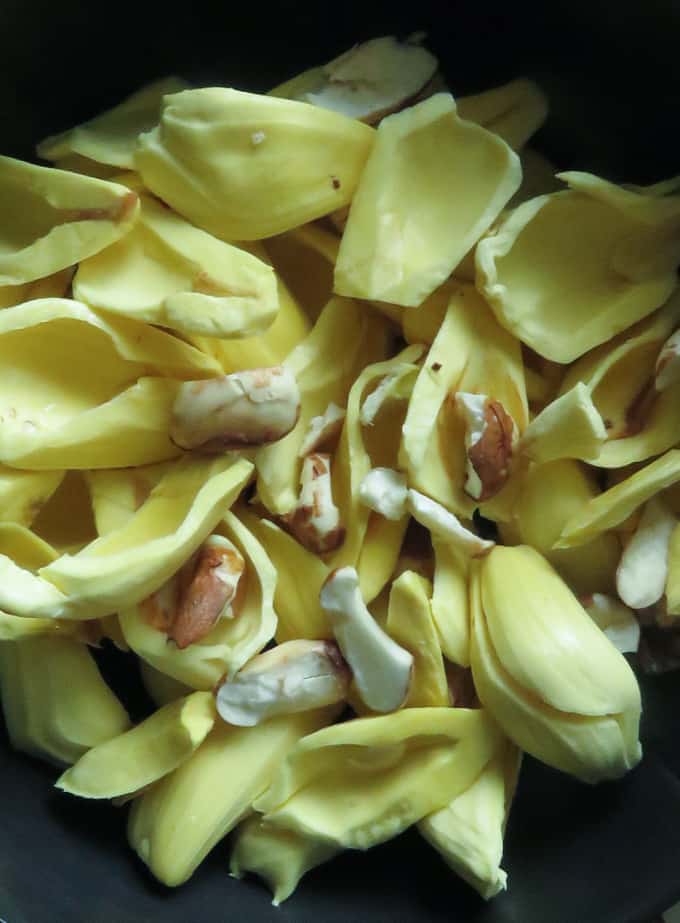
574, 854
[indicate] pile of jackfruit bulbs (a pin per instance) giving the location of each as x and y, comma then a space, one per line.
356, 425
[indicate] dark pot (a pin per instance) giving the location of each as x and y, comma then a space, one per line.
574, 854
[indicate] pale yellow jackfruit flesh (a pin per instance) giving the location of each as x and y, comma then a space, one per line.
344, 339
304, 258
28, 551
550, 496
88, 391
433, 184
168, 272
123, 567
270, 348
110, 138
232, 641
468, 832
119, 492
554, 272
353, 462
174, 826
615, 505
471, 353
144, 754
246, 167
450, 609
578, 713
300, 574
362, 782
51, 219
640, 421
281, 857
55, 702
410, 624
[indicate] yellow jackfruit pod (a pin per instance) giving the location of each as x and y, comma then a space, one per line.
110, 138
353, 462
120, 569
244, 167
132, 559
410, 624
24, 493
450, 608
369, 81
304, 258
88, 392
280, 857
174, 826
26, 597
569, 427
472, 354
55, 702
168, 272
162, 689
66, 520
54, 286
376, 410
433, 184
379, 554
267, 349
143, 755
24, 547
119, 492
233, 640
550, 496
300, 574
362, 782
27, 551
566, 272
615, 505
551, 679
52, 219
468, 832
515, 111
673, 578
641, 420
344, 339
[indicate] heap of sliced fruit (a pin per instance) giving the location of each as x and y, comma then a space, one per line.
357, 427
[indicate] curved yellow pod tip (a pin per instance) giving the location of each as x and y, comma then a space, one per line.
468, 832
144, 754
51, 219
280, 857
552, 680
